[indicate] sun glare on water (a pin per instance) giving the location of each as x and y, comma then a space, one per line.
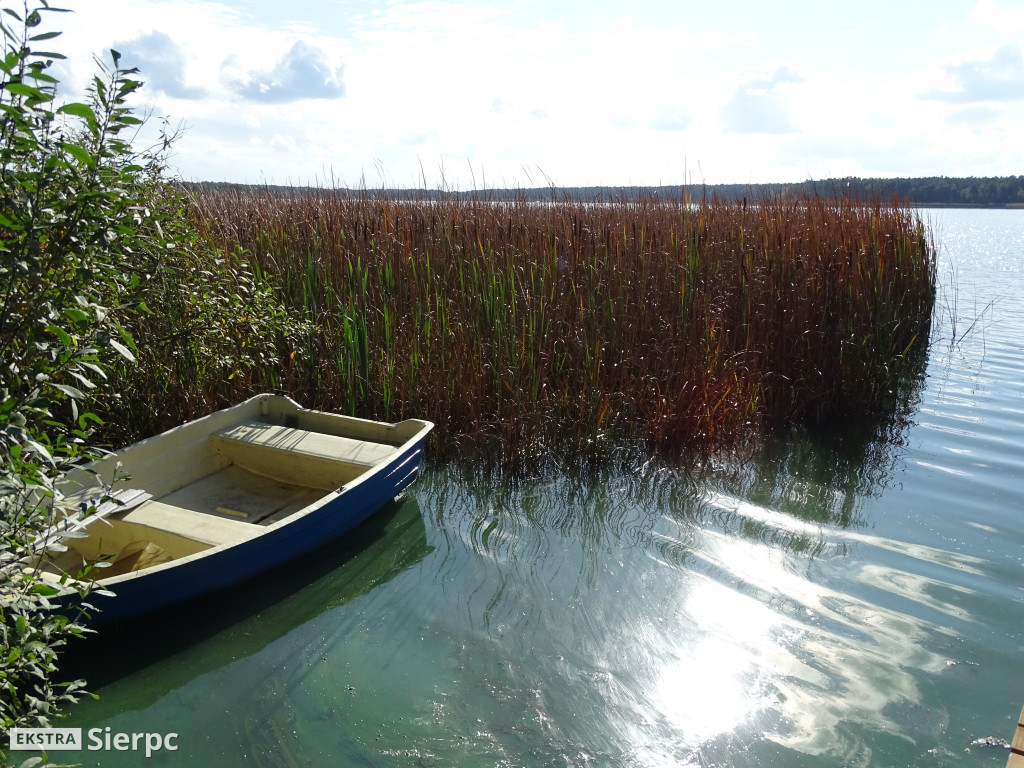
709, 687
713, 668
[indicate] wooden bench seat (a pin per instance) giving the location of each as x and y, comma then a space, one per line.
198, 526
313, 444
298, 456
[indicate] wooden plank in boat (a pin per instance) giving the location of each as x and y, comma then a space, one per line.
314, 444
198, 526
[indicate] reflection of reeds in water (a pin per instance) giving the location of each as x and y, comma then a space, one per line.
546, 329
795, 493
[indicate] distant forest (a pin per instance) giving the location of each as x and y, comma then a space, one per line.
933, 191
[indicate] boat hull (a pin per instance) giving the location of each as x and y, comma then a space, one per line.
266, 547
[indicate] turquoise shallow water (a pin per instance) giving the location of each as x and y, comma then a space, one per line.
845, 600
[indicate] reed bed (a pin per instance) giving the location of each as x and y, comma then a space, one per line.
570, 328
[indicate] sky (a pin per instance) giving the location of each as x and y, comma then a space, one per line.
469, 94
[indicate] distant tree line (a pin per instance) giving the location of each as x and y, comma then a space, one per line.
972, 191
937, 191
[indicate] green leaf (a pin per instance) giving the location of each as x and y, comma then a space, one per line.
125, 352
44, 36
75, 315
89, 417
61, 334
85, 382
80, 153
70, 391
41, 77
77, 109
20, 89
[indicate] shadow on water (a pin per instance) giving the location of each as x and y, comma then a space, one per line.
257, 612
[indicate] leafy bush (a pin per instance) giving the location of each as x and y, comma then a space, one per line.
209, 333
95, 253
69, 227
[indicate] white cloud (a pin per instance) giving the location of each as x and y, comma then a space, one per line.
758, 106
671, 119
997, 77
304, 72
162, 63
977, 115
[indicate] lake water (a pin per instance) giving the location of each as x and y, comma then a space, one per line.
847, 600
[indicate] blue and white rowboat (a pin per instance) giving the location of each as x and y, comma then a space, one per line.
224, 498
